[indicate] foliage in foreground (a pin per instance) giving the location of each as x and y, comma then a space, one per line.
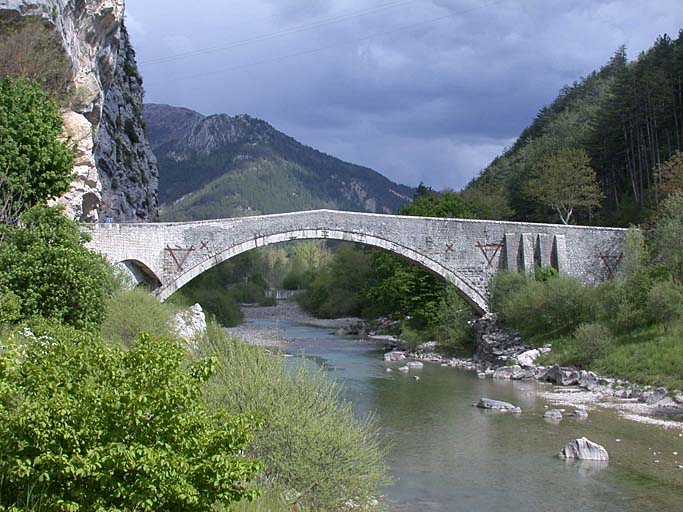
310, 442
85, 425
46, 268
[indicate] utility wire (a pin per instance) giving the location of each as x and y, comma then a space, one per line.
339, 44
323, 22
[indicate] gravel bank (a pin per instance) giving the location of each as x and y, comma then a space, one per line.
289, 311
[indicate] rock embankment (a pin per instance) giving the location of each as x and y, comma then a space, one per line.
502, 355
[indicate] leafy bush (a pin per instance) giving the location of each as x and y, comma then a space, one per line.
131, 312
45, 264
10, 308
310, 443
34, 165
85, 425
664, 304
453, 328
411, 338
541, 308
591, 341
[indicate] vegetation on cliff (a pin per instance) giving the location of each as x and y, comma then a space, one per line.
627, 117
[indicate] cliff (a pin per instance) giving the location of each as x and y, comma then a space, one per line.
115, 172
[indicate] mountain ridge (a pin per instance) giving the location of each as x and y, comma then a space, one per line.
236, 156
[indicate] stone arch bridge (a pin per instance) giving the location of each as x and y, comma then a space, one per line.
467, 253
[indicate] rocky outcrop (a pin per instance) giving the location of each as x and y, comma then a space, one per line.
127, 166
115, 171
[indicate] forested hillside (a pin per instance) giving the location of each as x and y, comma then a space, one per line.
627, 117
223, 166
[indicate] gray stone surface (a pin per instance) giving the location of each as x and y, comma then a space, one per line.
465, 252
497, 405
553, 414
584, 449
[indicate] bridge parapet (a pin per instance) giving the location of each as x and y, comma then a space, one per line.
465, 252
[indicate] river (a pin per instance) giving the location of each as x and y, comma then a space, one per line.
450, 456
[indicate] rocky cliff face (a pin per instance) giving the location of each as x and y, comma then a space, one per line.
116, 172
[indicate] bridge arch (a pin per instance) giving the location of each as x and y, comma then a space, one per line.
138, 273
469, 291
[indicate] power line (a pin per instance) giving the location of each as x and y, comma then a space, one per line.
280, 33
339, 44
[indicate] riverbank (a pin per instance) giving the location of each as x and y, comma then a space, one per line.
496, 350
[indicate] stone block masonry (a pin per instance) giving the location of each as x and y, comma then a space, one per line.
466, 253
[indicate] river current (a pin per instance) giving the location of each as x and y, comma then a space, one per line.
450, 456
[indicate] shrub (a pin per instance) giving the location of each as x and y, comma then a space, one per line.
34, 165
310, 444
664, 304
411, 338
131, 312
592, 341
539, 308
453, 328
503, 285
85, 425
10, 308
46, 265
217, 302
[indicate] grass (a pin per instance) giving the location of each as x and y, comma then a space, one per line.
646, 356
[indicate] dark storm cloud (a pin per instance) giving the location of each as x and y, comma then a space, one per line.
426, 90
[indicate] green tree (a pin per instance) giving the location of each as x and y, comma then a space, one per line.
565, 181
34, 164
85, 425
45, 264
667, 236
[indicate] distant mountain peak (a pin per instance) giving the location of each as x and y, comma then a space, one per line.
222, 165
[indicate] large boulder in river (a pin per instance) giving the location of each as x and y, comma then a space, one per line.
497, 405
584, 449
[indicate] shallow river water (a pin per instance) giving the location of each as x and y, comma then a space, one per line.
450, 456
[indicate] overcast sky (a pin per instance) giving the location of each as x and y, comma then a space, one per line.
423, 90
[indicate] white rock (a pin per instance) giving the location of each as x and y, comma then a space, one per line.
415, 365
528, 358
584, 449
190, 325
404, 369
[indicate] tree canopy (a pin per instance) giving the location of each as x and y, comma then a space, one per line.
43, 262
565, 181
